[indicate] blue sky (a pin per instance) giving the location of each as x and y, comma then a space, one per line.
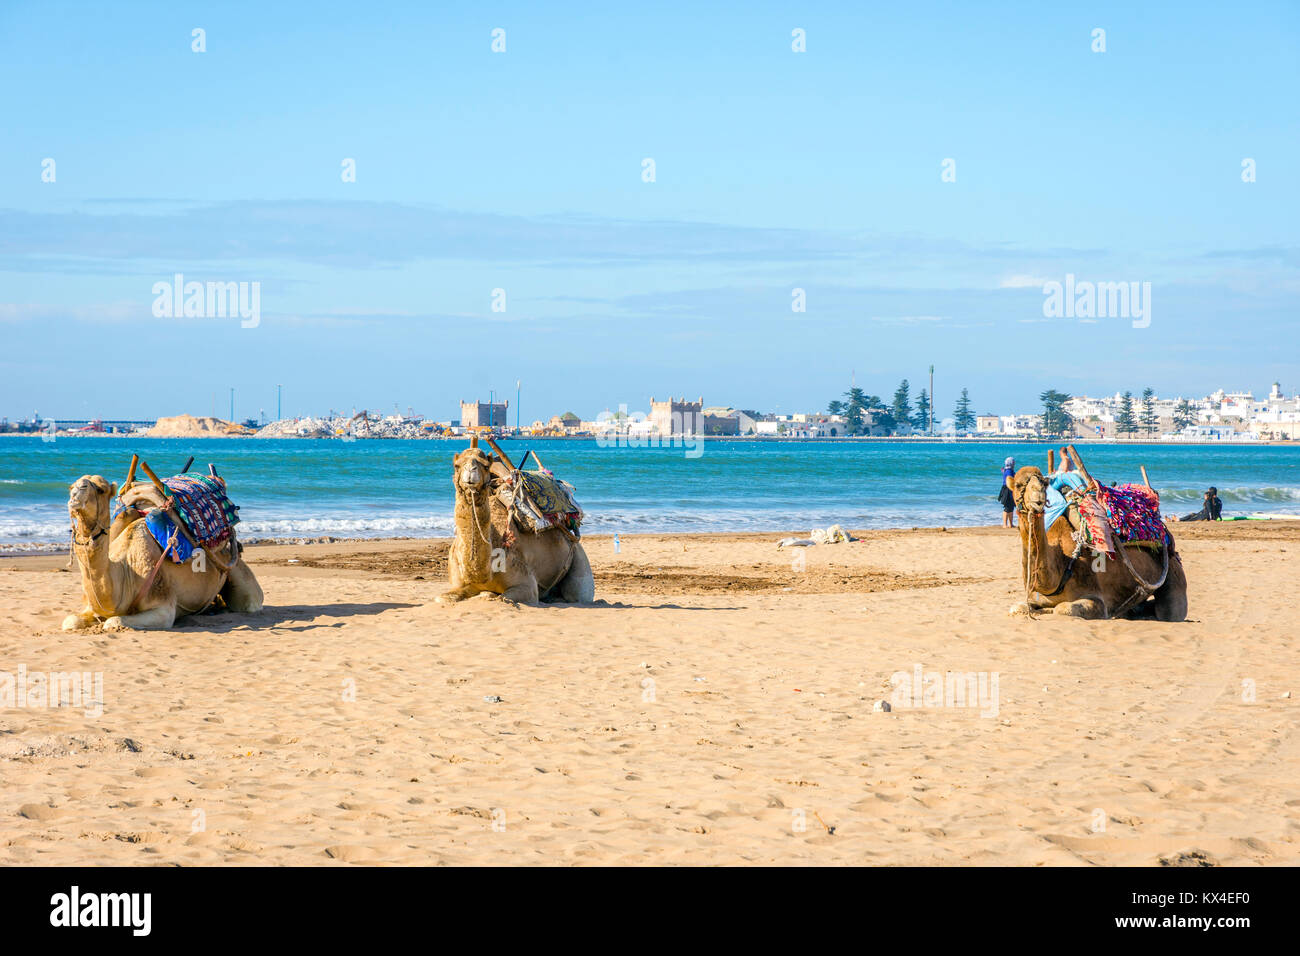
522, 170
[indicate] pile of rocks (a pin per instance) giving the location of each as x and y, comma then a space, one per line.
339, 427
297, 428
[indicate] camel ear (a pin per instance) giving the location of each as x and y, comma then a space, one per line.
112, 488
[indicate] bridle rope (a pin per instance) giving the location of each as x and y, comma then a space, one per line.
472, 495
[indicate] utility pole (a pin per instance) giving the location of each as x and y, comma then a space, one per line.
492, 408
278, 416
518, 383
931, 428
232, 404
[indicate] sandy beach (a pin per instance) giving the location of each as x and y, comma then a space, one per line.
716, 706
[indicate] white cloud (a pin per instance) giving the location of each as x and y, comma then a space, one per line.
1022, 282
908, 319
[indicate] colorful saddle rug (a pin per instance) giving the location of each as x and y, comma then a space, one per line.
1108, 517
1133, 513
208, 512
542, 502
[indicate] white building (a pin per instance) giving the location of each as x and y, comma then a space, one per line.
1021, 424
1209, 433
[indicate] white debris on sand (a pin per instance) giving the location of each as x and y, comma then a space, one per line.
835, 534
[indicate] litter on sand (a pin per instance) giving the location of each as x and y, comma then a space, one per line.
832, 535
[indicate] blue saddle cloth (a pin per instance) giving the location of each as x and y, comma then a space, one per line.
161, 527
1056, 503
208, 512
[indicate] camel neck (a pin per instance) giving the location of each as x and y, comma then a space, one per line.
1041, 562
474, 521
96, 579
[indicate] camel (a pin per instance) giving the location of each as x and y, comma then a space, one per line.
492, 555
118, 560
1079, 588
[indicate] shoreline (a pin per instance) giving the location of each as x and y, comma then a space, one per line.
1193, 530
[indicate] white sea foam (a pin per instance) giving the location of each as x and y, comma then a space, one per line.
1269, 495
44, 526
347, 526
33, 529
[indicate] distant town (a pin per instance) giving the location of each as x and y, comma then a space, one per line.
1218, 417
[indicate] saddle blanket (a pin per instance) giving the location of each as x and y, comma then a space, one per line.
207, 510
542, 502
1133, 513
1127, 514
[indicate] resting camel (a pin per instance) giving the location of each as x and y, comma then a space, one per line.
531, 567
117, 561
1074, 588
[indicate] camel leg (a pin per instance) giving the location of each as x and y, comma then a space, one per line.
525, 592
83, 618
158, 618
241, 592
578, 586
457, 594
1090, 608
1023, 609
1171, 598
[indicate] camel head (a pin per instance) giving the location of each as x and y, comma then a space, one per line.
89, 506
1030, 490
471, 471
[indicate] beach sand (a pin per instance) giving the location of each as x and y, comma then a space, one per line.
715, 708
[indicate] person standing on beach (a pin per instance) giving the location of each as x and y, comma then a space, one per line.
1065, 465
1005, 496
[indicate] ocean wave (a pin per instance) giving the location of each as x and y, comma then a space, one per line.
20, 529
346, 526
614, 521
50, 524
1247, 494
34, 547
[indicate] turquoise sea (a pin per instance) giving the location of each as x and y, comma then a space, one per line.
360, 489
